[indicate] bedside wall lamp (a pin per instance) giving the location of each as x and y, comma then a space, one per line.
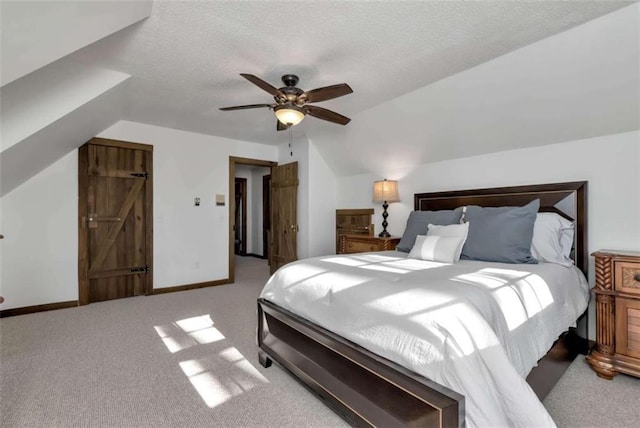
385, 191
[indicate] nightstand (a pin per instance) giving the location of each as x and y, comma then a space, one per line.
617, 293
353, 222
361, 244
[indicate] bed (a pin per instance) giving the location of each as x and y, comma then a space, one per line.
363, 380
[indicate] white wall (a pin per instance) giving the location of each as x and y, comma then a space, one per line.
40, 249
191, 243
39, 218
609, 164
322, 205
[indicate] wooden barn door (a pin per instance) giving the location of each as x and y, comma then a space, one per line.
284, 222
115, 220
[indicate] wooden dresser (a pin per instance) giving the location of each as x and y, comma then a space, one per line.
361, 244
353, 222
617, 293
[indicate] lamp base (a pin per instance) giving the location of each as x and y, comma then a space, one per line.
384, 233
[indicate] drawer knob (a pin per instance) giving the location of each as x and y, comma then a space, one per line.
637, 277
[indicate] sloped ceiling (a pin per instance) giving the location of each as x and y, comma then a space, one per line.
51, 112
403, 60
51, 104
185, 58
579, 84
37, 33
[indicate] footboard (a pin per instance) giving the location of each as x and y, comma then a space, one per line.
362, 387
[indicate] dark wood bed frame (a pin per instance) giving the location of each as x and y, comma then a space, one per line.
369, 390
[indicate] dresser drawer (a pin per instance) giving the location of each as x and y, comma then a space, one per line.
627, 277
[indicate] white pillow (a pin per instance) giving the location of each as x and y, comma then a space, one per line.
552, 239
435, 248
460, 231
441, 243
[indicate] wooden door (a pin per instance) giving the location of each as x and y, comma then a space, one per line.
284, 223
115, 220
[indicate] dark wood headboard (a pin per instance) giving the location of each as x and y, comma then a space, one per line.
566, 199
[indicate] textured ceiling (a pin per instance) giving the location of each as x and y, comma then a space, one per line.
185, 58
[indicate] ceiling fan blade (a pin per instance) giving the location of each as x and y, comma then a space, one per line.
324, 114
326, 93
246, 107
264, 86
281, 126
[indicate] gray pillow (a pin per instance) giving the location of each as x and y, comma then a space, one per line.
500, 234
419, 220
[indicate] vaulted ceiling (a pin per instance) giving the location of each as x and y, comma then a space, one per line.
72, 68
185, 59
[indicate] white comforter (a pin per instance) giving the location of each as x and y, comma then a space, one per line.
475, 327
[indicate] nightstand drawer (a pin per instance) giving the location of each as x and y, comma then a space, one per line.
360, 247
628, 327
350, 244
627, 277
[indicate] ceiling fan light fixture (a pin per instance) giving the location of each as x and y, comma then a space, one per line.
293, 104
289, 114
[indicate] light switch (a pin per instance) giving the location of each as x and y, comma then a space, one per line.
220, 200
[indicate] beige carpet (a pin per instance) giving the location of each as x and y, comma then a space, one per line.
189, 359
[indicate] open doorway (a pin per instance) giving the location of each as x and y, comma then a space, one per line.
250, 201
250, 227
240, 238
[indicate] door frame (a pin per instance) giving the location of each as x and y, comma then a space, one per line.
233, 161
83, 231
266, 214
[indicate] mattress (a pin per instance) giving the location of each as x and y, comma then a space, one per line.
476, 327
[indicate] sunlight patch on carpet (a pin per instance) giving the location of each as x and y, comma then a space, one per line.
189, 332
222, 376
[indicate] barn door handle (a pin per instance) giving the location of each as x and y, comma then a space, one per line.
144, 175
93, 219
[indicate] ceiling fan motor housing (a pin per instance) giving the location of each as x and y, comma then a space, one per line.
290, 91
290, 79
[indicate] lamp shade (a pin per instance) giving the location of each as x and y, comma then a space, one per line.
289, 114
385, 191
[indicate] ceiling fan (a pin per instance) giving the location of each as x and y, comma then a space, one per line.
292, 103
